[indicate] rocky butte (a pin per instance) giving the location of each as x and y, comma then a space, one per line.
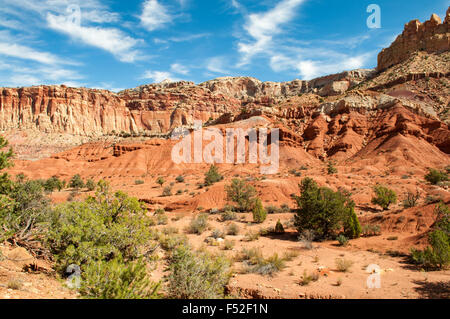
431, 36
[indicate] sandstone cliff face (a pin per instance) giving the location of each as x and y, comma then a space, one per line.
431, 36
152, 109
87, 112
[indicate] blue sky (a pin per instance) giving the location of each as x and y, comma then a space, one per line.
123, 44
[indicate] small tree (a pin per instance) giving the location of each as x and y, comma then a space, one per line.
259, 213
435, 176
53, 183
324, 211
180, 179
279, 229
5, 162
160, 181
331, 168
411, 199
384, 197
241, 193
212, 176
76, 182
438, 254
197, 275
116, 279
167, 191
90, 185
352, 228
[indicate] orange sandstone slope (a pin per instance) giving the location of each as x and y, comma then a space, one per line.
393, 118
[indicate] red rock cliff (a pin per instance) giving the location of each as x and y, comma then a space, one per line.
430, 36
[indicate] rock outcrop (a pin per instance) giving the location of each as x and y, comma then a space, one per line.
150, 109
431, 36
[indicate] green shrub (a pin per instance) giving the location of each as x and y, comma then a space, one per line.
308, 278
167, 191
343, 241
169, 242
5, 162
306, 238
241, 193
331, 169
139, 182
76, 182
52, 184
197, 275
431, 199
343, 265
162, 219
23, 210
271, 209
250, 255
217, 233
324, 211
90, 185
233, 230
100, 228
251, 236
255, 263
371, 230
228, 244
352, 227
259, 213
180, 179
411, 199
115, 279
228, 215
160, 180
384, 197
198, 225
279, 229
435, 176
212, 176
437, 256
268, 266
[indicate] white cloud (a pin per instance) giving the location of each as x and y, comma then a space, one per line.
23, 80
91, 10
262, 27
179, 69
27, 53
217, 65
18, 75
159, 76
109, 39
154, 15
323, 63
109, 87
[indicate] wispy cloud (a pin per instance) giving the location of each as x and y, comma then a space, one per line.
264, 36
19, 75
26, 53
181, 38
154, 15
318, 62
262, 27
217, 65
112, 40
81, 20
179, 69
159, 76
